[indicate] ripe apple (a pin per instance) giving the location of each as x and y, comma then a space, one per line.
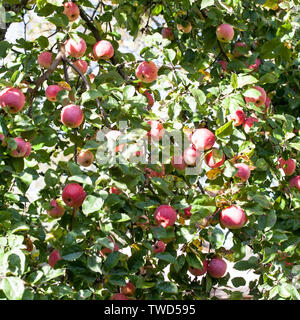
57, 211
82, 65
54, 257
190, 156
118, 296
260, 100
21, 149
295, 182
149, 98
75, 49
288, 166
203, 139
236, 52
178, 162
114, 190
103, 50
13, 99
255, 65
152, 173
238, 117
217, 268
165, 215
52, 91
71, 10
225, 32
28, 150
233, 217
223, 64
249, 123
72, 116
243, 171
159, 246
73, 195
157, 130
129, 289
197, 271
92, 77
186, 29
212, 159
45, 59
187, 211
147, 71
85, 158
167, 33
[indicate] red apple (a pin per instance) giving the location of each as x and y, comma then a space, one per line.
157, 130
295, 182
72, 116
249, 123
190, 156
165, 216
28, 150
52, 91
147, 72
149, 98
255, 65
223, 64
197, 271
103, 50
167, 33
85, 158
73, 195
92, 77
115, 190
152, 173
243, 171
57, 211
13, 99
225, 32
217, 268
45, 59
184, 29
236, 52
159, 246
21, 149
178, 162
82, 65
54, 257
238, 117
203, 139
187, 211
129, 289
118, 296
288, 166
212, 159
233, 217
71, 10
260, 100
75, 49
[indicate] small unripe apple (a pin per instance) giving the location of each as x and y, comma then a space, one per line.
212, 159
255, 65
152, 173
236, 52
249, 123
72, 116
233, 217
185, 29
71, 10
129, 289
75, 49
159, 246
85, 158
198, 271
203, 139
165, 216
260, 100
45, 59
217, 268
13, 99
167, 33
149, 98
238, 117
178, 162
147, 71
114, 190
288, 166
118, 296
54, 257
103, 50
190, 156
243, 171
82, 65
52, 91
225, 32
187, 211
295, 182
57, 211
73, 195
21, 149
157, 130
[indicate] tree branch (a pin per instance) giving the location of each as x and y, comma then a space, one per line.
222, 50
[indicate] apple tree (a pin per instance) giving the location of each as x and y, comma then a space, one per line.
164, 137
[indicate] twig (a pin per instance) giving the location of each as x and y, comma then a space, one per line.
200, 187
222, 50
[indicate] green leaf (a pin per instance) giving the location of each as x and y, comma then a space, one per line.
199, 96
234, 81
244, 80
92, 204
238, 281
13, 288
72, 256
207, 3
194, 261
128, 92
166, 256
112, 260
225, 130
59, 19
167, 287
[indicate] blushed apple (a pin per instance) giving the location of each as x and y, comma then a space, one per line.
190, 156
159, 246
225, 32
82, 65
295, 182
167, 33
85, 158
71, 10
13, 99
187, 211
215, 158
28, 149
73, 195
288, 166
129, 289
103, 49
197, 271
217, 268
255, 65
21, 149
260, 100
223, 64
149, 98
114, 190
75, 49
118, 296
152, 173
178, 162
243, 171
57, 210
52, 91
165, 216
233, 217
249, 123
54, 257
147, 71
157, 130
72, 116
45, 59
238, 117
203, 139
